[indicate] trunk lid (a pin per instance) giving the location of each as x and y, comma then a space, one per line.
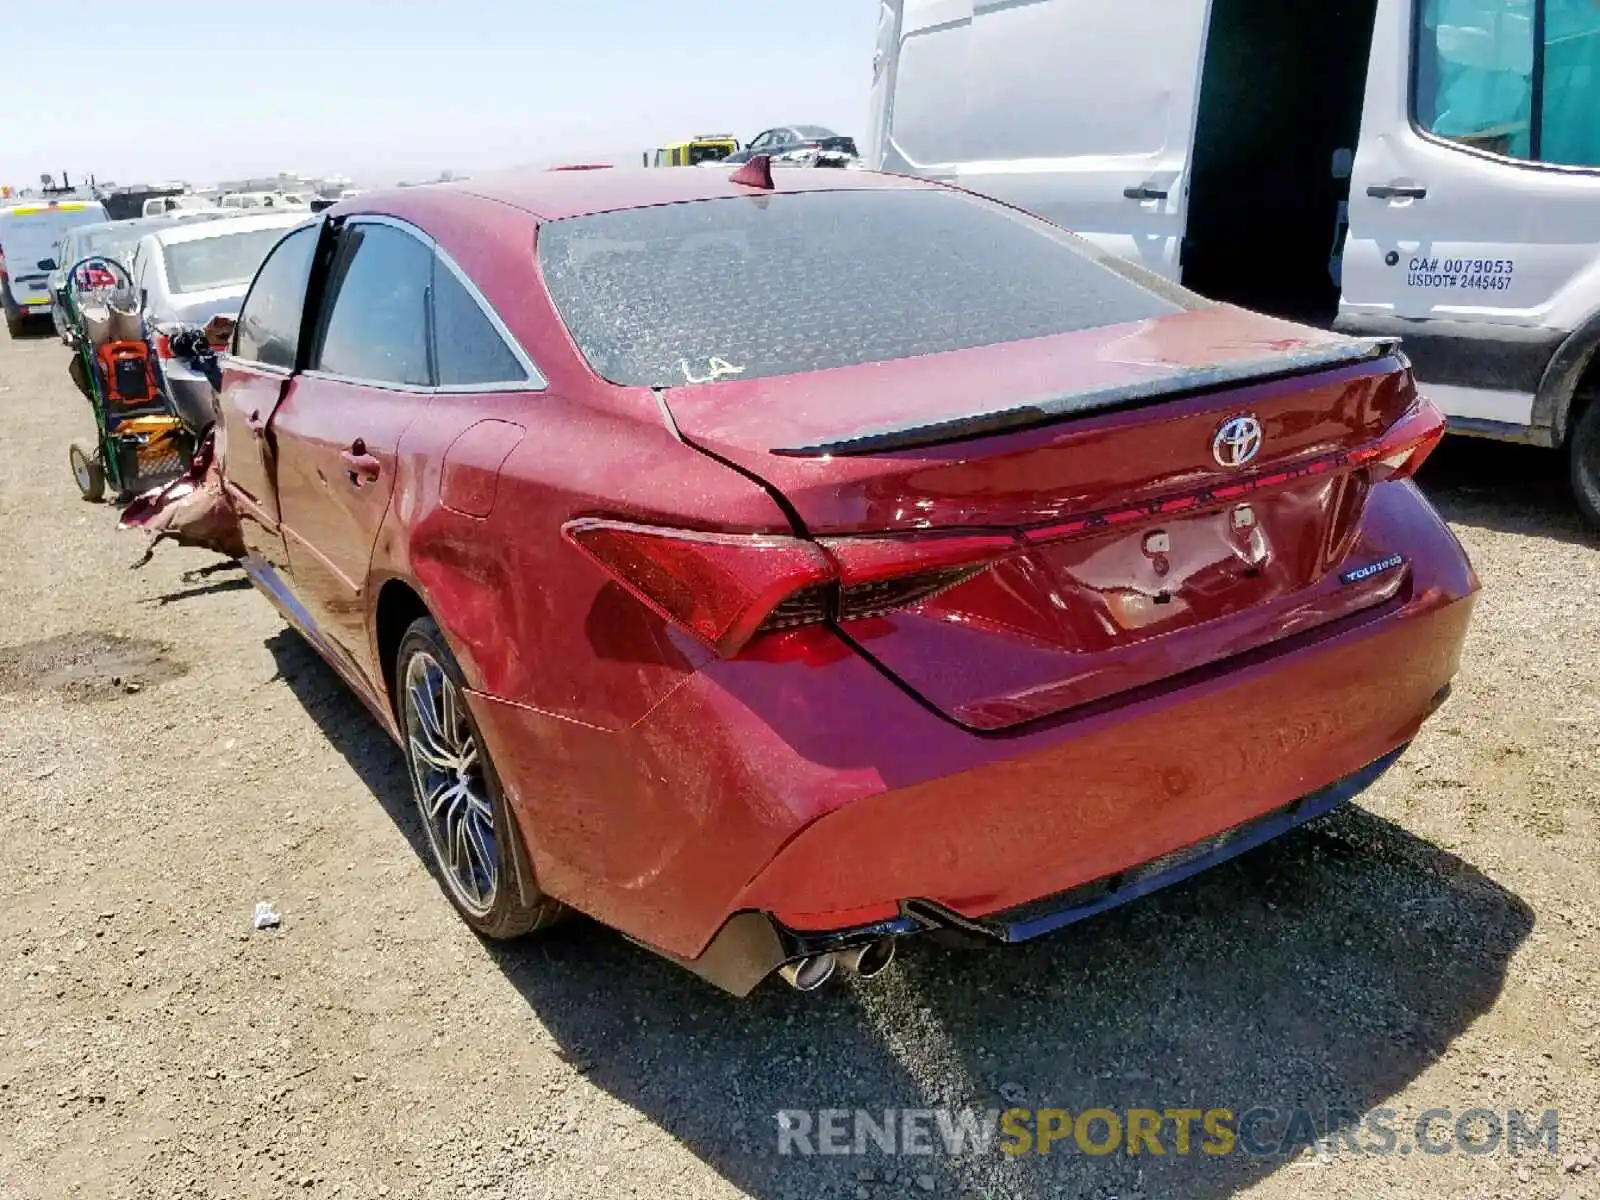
1133, 546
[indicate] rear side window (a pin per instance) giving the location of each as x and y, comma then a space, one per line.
377, 329
269, 323
751, 287
468, 349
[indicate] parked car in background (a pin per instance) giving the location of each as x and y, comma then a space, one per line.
699, 150
890, 561
29, 234
109, 239
191, 271
157, 206
794, 145
264, 200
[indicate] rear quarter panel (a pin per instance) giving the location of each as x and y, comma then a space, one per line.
532, 620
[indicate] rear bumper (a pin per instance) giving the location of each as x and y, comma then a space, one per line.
752, 945
801, 795
1125, 788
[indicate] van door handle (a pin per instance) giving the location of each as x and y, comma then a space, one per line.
358, 464
255, 422
1143, 192
1396, 191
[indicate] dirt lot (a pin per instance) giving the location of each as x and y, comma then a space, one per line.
170, 754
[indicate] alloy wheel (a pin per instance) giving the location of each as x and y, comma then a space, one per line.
447, 775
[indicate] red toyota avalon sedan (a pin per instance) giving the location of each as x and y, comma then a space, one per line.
772, 572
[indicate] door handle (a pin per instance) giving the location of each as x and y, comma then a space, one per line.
1143, 192
1396, 191
358, 464
257, 425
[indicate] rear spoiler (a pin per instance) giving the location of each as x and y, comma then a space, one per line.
1191, 382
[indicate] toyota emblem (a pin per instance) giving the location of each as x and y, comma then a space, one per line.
1237, 442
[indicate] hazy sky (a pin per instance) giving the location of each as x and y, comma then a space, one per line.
389, 89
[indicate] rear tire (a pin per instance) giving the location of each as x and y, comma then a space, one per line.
476, 845
16, 319
1584, 458
88, 473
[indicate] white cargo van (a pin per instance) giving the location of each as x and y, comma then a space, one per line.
29, 235
1425, 168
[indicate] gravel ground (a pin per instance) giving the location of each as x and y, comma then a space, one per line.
170, 754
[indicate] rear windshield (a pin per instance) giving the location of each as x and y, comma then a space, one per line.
110, 242
217, 262
748, 287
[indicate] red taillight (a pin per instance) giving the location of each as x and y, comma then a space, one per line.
727, 588
878, 575
719, 587
163, 346
1406, 444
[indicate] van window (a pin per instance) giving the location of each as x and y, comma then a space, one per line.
1519, 78
1569, 130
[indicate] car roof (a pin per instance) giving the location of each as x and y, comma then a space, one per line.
555, 195
194, 231
133, 224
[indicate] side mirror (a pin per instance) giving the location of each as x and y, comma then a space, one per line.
219, 330
47, 264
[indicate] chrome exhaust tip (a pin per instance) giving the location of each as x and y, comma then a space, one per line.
808, 974
871, 959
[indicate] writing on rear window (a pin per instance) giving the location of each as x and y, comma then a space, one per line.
715, 369
1470, 274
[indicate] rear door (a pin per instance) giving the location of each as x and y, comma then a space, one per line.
1475, 203
1080, 110
337, 431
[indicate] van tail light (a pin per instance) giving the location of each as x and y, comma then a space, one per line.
727, 588
1406, 444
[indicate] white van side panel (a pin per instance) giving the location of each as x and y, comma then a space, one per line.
1535, 228
1487, 273
1060, 106
884, 60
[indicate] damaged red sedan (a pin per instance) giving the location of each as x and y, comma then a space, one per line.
772, 572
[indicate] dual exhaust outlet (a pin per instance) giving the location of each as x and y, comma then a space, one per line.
809, 973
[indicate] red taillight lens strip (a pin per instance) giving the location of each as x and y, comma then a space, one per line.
869, 559
725, 588
1407, 443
